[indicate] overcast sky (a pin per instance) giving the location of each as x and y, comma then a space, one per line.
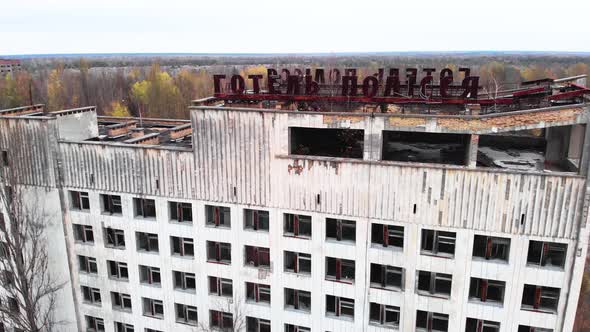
261, 26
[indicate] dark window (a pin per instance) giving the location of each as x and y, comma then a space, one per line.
94, 324
423, 147
182, 246
122, 327
340, 230
83, 233
181, 212
144, 208
386, 276
485, 290
438, 243
297, 262
4, 160
118, 270
296, 328
184, 281
149, 275
387, 235
152, 308
221, 320
480, 325
385, 315
540, 298
147, 242
525, 328
218, 216
547, 253
257, 256
437, 284
220, 287
431, 321
114, 238
256, 220
340, 269
298, 299
257, 325
327, 142
87, 264
111, 204
339, 306
121, 301
492, 248
80, 200
186, 314
297, 225
257, 292
91, 295
219, 252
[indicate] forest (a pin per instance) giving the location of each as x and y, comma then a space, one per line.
163, 86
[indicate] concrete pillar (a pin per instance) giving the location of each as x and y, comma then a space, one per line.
471, 151
557, 145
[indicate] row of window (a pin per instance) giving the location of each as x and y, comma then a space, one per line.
433, 242
382, 315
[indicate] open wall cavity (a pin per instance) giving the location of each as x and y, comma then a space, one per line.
425, 147
326, 142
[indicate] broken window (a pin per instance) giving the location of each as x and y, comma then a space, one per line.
491, 248
480, 325
485, 290
181, 212
387, 277
111, 204
184, 281
4, 161
297, 225
186, 314
547, 253
182, 246
296, 328
438, 243
540, 298
431, 322
144, 208
340, 269
218, 216
118, 270
153, 308
384, 315
114, 238
147, 242
87, 264
340, 230
221, 320
387, 235
525, 328
437, 284
149, 275
257, 256
327, 142
219, 252
121, 301
297, 262
297, 299
423, 147
220, 286
257, 292
79, 200
91, 295
94, 324
83, 233
256, 220
257, 324
122, 327
339, 306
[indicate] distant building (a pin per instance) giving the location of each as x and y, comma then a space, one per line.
9, 66
313, 221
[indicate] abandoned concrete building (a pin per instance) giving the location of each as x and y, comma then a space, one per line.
260, 214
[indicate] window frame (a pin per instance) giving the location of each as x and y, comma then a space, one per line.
260, 255
122, 298
219, 289
183, 243
433, 278
124, 327
383, 310
482, 287
186, 310
215, 216
339, 268
185, 278
142, 208
430, 317
79, 201
481, 324
256, 290
150, 308
340, 226
492, 245
93, 324
119, 267
436, 241
298, 295
298, 257
178, 212
149, 272
83, 234
544, 255
91, 295
390, 235
113, 237
149, 239
221, 317
111, 205
258, 322
253, 219
340, 303
219, 248
88, 262
294, 222
540, 293
385, 270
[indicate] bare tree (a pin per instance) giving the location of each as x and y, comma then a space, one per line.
29, 292
224, 308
